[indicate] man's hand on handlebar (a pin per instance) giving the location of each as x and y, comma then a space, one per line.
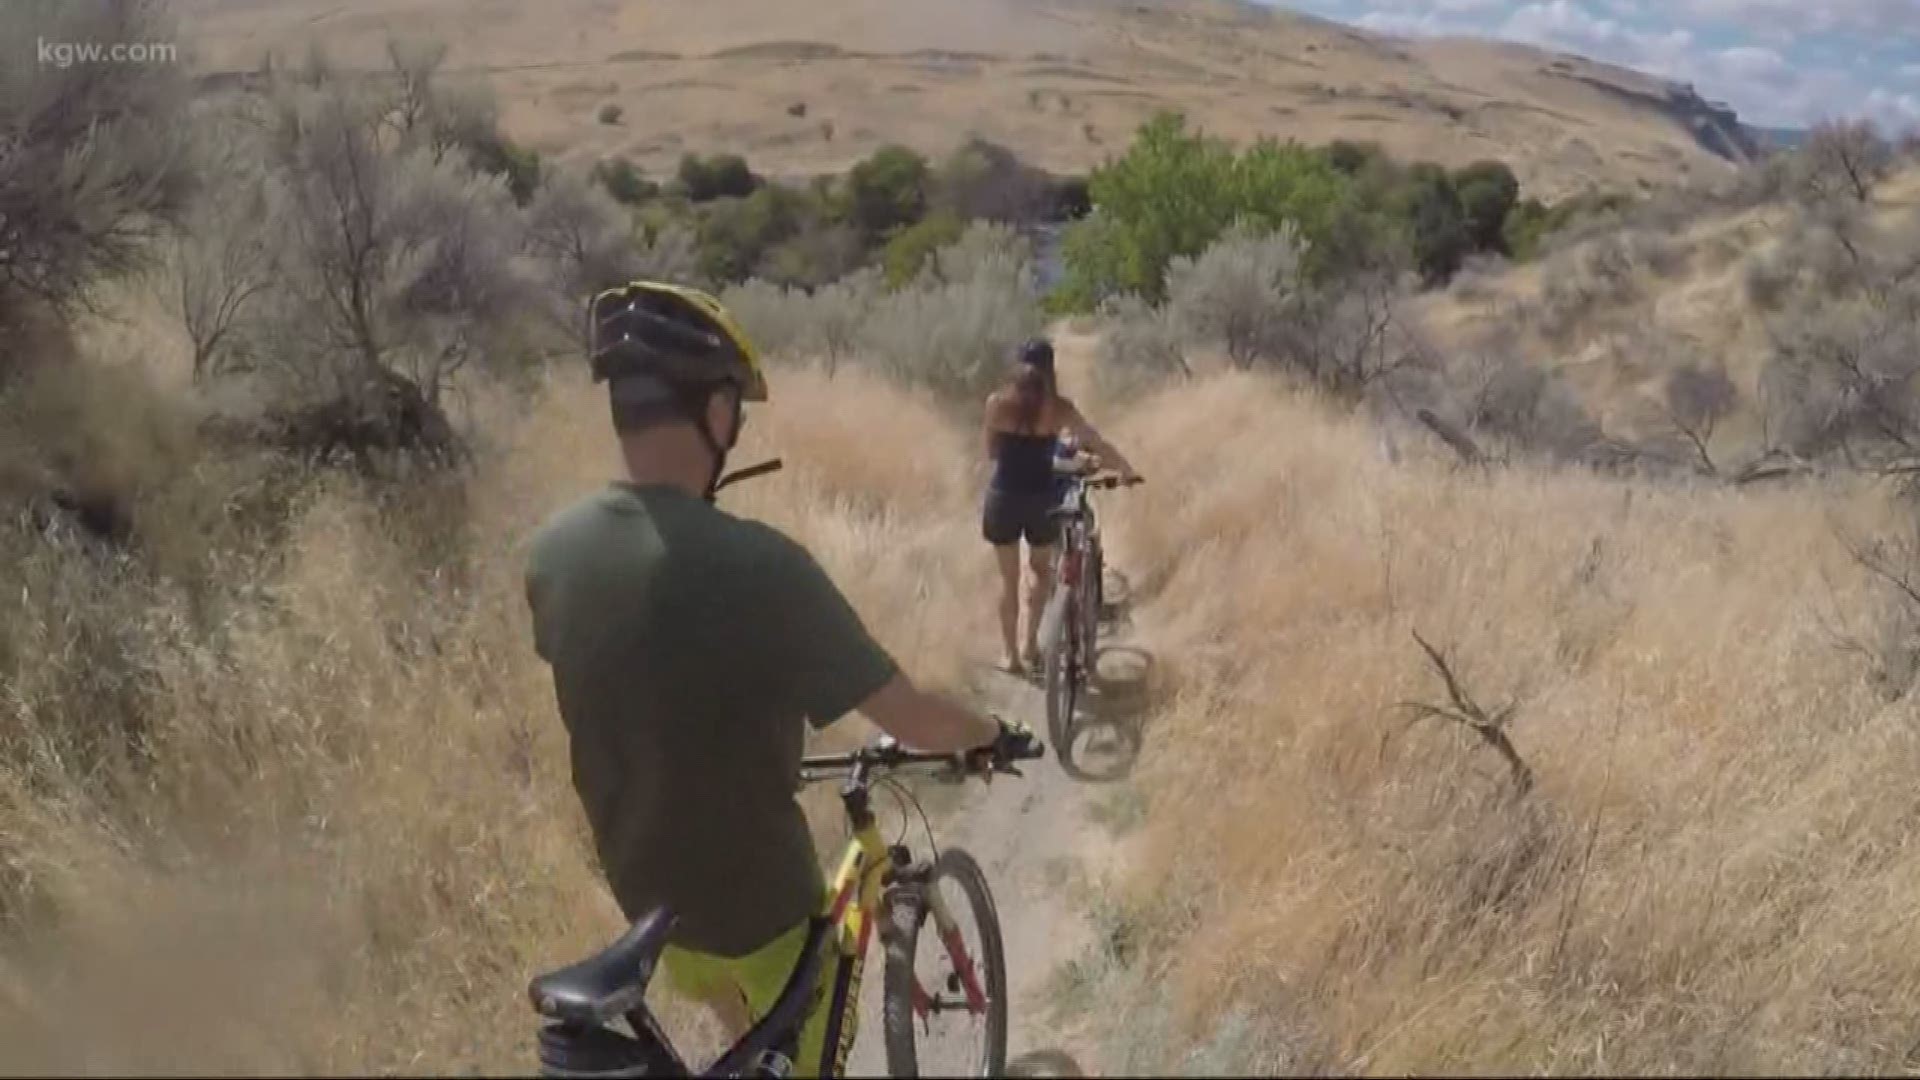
1013, 743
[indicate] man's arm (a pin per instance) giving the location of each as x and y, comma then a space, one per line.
927, 721
833, 666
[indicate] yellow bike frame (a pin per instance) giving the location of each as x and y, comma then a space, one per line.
853, 903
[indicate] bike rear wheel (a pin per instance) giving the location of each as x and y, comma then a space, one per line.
939, 973
1062, 674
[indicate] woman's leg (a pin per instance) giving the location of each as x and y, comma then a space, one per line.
1040, 561
1008, 558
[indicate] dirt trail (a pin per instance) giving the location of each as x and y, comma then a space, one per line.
1036, 838
1032, 835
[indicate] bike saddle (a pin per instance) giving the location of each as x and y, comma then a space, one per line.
609, 984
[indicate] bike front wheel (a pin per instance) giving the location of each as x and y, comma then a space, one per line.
945, 1010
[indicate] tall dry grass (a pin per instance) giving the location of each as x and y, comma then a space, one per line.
322, 822
1714, 871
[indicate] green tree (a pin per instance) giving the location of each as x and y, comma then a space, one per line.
1436, 221
1176, 191
1488, 191
722, 176
1169, 195
986, 181
735, 234
888, 190
1351, 157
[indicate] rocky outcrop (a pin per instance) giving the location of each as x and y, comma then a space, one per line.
1714, 125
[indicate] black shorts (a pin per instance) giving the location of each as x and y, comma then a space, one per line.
1009, 516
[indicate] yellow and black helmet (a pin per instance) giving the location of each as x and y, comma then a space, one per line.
672, 333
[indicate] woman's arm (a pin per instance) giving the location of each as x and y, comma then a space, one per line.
986, 425
1090, 438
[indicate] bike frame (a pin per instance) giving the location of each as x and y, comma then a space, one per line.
868, 882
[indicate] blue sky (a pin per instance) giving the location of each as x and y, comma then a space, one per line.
1779, 62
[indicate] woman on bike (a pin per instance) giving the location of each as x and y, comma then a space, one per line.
1024, 421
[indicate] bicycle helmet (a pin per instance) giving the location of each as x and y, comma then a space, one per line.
673, 333
1037, 352
656, 344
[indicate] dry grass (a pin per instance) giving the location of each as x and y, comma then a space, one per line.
1618, 311
318, 819
326, 825
1038, 76
1712, 872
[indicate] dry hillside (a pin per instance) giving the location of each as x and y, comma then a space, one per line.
1618, 311
808, 88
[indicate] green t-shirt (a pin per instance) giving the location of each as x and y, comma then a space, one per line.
688, 648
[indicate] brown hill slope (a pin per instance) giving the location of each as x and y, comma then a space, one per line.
804, 88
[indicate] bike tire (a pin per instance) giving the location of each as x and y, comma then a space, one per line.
1062, 681
1092, 586
910, 915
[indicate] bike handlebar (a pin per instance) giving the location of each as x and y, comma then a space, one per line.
886, 754
1108, 483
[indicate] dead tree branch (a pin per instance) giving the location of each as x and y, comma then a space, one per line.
1463, 710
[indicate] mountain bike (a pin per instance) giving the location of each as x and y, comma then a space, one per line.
1071, 622
877, 884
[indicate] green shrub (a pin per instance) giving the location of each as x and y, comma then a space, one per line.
983, 181
1238, 292
736, 233
624, 182
817, 255
792, 324
888, 191
1488, 191
1353, 158
954, 329
1437, 223
518, 165
1141, 346
722, 176
912, 247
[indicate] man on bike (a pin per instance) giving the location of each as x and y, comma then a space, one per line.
690, 649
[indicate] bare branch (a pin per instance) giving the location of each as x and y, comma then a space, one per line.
1465, 711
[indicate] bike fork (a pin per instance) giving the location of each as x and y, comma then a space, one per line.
949, 930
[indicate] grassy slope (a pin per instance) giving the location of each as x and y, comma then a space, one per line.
1699, 304
1065, 82
349, 796
340, 835
1713, 872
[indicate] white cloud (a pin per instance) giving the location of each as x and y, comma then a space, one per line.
1748, 62
1403, 24
1778, 62
1562, 24
1880, 19
1897, 111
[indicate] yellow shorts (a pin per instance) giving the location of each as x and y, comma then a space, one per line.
758, 977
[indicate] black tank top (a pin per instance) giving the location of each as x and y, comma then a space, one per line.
1022, 464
